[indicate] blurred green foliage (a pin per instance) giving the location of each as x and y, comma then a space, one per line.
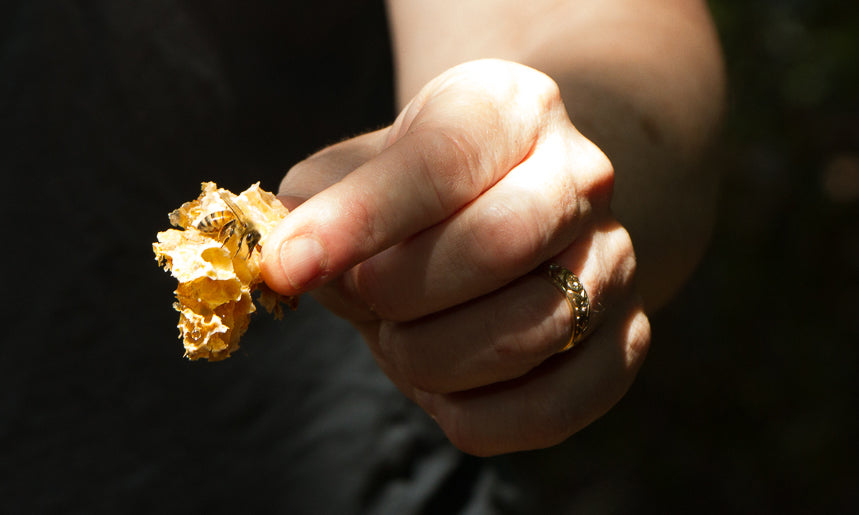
748, 400
789, 56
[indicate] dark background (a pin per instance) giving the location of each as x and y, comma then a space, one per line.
111, 114
748, 401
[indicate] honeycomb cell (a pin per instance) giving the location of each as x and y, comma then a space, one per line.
214, 255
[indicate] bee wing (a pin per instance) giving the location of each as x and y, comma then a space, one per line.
233, 207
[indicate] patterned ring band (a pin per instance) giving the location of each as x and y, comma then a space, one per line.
577, 297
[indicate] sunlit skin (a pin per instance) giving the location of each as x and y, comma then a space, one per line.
424, 234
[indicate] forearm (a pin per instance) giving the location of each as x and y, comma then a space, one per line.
643, 80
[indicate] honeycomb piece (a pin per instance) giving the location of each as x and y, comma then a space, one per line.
214, 254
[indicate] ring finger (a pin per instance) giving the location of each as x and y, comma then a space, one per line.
521, 325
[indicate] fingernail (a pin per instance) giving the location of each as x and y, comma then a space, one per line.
302, 260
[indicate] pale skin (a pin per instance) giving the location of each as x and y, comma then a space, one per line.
576, 144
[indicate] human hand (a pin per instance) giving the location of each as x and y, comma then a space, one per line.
424, 235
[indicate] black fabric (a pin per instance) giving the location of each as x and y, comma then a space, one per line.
112, 114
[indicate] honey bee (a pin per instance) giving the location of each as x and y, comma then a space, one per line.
226, 223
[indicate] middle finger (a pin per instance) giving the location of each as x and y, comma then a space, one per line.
535, 211
508, 333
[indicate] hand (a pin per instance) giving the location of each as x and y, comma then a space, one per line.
424, 235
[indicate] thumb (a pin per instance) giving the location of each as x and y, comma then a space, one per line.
309, 266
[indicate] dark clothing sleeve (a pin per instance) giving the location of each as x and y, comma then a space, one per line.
112, 114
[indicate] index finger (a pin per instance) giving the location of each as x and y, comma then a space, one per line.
453, 142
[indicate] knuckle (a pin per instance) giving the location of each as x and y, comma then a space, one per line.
597, 185
638, 342
547, 92
450, 161
525, 349
602, 185
540, 327
621, 248
522, 353
364, 284
509, 79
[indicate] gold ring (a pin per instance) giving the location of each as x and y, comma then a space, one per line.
576, 296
